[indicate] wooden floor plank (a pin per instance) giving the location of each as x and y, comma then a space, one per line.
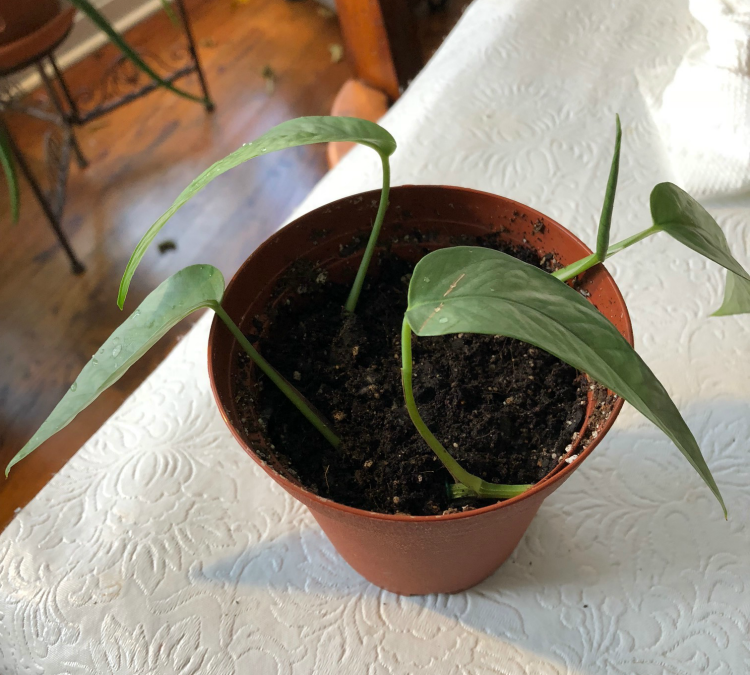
142, 156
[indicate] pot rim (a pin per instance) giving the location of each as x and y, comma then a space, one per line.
548, 480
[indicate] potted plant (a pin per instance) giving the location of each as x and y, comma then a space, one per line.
524, 340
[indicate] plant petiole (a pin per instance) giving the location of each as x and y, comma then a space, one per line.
487, 491
7, 162
287, 389
580, 266
469, 484
351, 301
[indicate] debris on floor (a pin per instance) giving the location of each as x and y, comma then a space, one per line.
167, 245
337, 52
269, 76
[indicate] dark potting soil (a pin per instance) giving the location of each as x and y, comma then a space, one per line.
504, 409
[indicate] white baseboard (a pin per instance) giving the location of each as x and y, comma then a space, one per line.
85, 37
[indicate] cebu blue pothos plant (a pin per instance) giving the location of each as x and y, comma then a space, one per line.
452, 290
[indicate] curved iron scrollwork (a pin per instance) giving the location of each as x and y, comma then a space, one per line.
122, 82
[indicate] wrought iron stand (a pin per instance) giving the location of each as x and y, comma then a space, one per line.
68, 113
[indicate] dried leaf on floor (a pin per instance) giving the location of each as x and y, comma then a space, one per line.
269, 76
337, 52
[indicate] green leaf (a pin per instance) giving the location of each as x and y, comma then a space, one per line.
9, 169
678, 214
736, 296
605, 220
300, 131
181, 294
102, 24
477, 290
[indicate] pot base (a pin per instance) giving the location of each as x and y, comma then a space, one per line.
417, 558
410, 555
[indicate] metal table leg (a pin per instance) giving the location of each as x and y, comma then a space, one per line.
52, 204
82, 161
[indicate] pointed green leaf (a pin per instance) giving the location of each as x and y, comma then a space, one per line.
102, 24
477, 290
300, 131
736, 296
9, 169
605, 220
181, 294
678, 214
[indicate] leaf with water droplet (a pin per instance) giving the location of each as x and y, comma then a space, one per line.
535, 307
293, 133
181, 294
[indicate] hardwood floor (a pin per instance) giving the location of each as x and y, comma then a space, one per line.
141, 157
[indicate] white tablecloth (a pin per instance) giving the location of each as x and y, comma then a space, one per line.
161, 548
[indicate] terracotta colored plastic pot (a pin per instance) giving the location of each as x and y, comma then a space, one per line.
411, 555
32, 28
19, 19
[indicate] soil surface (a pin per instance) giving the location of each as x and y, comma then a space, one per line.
504, 409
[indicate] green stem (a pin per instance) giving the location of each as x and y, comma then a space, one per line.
471, 485
459, 491
287, 389
7, 162
351, 301
580, 266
